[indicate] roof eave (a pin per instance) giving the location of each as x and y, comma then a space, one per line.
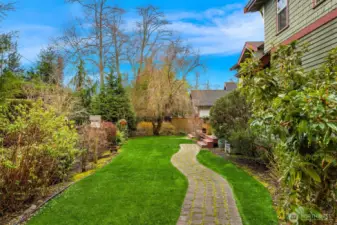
253, 6
235, 67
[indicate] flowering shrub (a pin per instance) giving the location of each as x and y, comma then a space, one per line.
37, 149
167, 129
144, 129
111, 131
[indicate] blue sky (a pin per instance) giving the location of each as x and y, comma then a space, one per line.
218, 29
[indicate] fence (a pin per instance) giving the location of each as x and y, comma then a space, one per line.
186, 125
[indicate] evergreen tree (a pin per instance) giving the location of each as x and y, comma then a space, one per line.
9, 56
47, 65
81, 80
113, 102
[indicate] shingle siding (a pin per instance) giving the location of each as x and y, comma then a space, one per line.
302, 14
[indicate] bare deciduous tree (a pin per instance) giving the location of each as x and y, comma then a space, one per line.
150, 33
114, 25
89, 37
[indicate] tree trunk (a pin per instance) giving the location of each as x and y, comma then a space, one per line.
101, 63
156, 124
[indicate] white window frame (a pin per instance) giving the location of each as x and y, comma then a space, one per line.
285, 6
278, 11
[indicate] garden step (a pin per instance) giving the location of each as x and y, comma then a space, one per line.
202, 144
212, 138
206, 143
191, 136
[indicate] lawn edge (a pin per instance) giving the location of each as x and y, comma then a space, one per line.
238, 203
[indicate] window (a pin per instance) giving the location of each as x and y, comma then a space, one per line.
282, 14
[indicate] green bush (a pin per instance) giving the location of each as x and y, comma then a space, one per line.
229, 113
242, 143
120, 138
229, 118
296, 110
122, 126
37, 149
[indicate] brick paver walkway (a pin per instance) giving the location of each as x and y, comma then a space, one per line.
209, 199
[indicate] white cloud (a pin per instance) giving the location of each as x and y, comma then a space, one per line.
31, 39
222, 30
218, 30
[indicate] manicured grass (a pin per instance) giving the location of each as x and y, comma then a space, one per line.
252, 198
140, 186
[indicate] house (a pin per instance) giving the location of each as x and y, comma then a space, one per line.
203, 100
255, 49
308, 21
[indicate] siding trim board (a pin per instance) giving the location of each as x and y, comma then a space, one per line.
312, 27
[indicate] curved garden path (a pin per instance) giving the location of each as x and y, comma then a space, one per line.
209, 199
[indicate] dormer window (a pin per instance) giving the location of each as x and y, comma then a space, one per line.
282, 15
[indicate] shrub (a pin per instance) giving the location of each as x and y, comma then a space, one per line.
167, 129
111, 132
144, 129
123, 127
228, 114
242, 143
296, 111
93, 142
229, 118
120, 138
37, 150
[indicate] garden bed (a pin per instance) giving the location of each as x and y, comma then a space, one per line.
53, 191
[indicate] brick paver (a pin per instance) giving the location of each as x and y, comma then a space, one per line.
209, 199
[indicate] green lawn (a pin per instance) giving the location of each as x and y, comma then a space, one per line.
252, 198
140, 186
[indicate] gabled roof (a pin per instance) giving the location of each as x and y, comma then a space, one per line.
206, 97
230, 86
249, 46
254, 5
